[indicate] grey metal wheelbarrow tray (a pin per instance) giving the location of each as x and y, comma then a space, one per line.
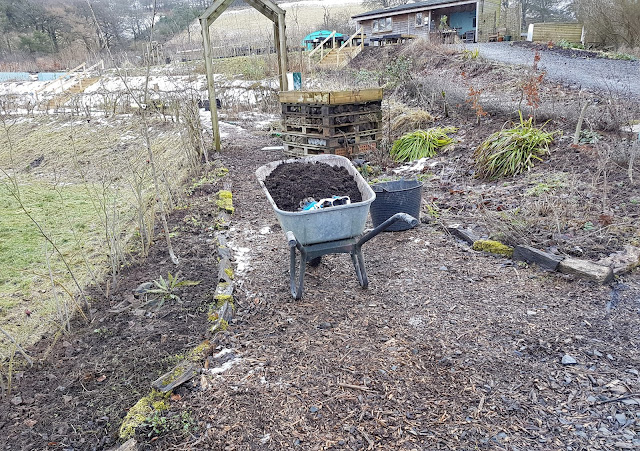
333, 230
330, 224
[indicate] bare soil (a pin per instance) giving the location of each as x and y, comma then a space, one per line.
291, 183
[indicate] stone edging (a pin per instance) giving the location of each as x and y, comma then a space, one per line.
220, 313
566, 265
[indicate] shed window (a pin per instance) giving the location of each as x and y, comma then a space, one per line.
384, 24
419, 21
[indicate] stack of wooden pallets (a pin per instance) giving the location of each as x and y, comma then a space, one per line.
342, 123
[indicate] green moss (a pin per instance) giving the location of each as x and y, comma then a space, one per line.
225, 201
221, 172
222, 298
229, 272
221, 224
494, 247
197, 353
154, 402
220, 325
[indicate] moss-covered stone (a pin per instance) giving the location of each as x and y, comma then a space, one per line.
225, 201
494, 247
229, 272
154, 402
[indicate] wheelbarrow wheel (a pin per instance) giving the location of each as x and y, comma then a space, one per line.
296, 285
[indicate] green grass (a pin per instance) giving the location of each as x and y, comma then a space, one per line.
67, 215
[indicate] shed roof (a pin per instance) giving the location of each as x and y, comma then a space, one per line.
320, 34
410, 6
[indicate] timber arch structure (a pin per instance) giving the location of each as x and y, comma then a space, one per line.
272, 12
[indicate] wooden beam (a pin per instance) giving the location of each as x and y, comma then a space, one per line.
204, 24
218, 12
282, 55
267, 11
272, 6
215, 8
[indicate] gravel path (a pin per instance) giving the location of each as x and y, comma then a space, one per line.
596, 74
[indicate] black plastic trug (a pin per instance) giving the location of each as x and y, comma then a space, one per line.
401, 196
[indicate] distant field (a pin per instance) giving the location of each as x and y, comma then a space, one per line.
250, 28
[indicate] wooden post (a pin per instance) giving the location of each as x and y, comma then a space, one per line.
282, 53
204, 24
477, 22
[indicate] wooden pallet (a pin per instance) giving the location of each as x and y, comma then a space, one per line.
321, 110
331, 132
332, 142
301, 150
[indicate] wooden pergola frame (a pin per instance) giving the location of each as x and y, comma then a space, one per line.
270, 10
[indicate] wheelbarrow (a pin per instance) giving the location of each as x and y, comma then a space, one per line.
334, 230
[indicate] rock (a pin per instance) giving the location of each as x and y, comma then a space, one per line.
466, 235
443, 268
542, 259
621, 418
325, 325
591, 399
16, 400
313, 409
597, 353
568, 360
624, 261
586, 269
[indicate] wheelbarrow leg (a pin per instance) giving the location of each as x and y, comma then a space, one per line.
358, 263
296, 288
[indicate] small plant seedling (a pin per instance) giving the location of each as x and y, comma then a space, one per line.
166, 288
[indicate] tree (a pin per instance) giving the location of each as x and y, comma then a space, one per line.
375, 4
610, 22
544, 11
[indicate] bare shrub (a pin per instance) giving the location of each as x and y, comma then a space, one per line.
611, 22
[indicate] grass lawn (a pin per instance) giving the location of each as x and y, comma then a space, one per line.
67, 170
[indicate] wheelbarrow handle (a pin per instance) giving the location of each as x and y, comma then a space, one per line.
291, 238
385, 225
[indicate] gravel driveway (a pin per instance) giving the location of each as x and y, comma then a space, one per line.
595, 74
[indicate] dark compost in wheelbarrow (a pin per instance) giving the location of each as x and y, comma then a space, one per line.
290, 183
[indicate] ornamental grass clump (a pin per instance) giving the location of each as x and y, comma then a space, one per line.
421, 143
512, 151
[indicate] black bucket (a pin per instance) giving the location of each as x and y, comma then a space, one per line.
402, 196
